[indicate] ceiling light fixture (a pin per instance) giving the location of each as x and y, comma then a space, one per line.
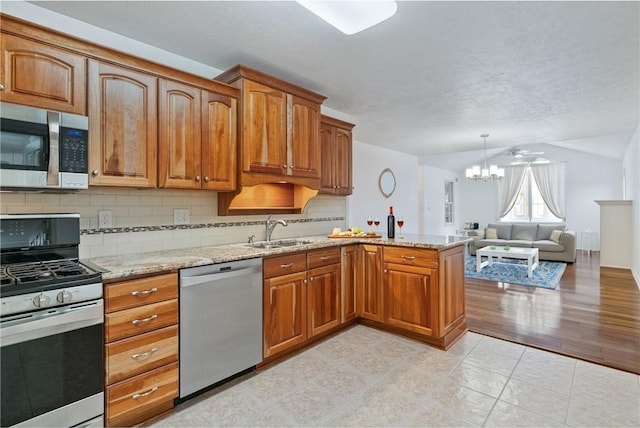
492, 173
351, 17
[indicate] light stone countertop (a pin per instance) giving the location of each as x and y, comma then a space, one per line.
118, 267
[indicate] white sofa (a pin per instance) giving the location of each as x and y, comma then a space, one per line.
529, 235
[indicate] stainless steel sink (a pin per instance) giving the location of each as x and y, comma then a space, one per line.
279, 243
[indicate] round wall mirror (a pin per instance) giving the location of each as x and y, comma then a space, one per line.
387, 182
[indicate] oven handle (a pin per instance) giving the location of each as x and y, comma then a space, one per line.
51, 321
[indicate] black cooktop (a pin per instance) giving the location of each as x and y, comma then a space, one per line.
21, 278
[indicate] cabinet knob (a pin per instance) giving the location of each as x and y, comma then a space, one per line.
1, 87
206, 178
386, 271
94, 172
198, 178
284, 166
311, 279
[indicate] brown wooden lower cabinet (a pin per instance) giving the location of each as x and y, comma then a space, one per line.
303, 303
411, 298
141, 350
418, 292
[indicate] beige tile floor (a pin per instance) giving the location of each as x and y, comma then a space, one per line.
364, 377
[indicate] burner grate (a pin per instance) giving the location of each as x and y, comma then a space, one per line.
25, 273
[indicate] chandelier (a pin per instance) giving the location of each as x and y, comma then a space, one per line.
492, 173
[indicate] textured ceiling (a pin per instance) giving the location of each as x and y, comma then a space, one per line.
432, 78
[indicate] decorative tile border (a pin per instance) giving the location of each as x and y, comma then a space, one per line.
198, 226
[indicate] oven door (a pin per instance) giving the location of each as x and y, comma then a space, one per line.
52, 366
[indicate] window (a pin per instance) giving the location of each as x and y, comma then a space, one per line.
529, 204
448, 202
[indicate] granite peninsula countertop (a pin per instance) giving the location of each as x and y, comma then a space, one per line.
117, 267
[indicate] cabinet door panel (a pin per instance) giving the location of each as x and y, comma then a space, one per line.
343, 162
454, 294
180, 135
303, 145
409, 294
349, 269
219, 142
369, 285
327, 159
42, 76
264, 129
285, 312
122, 127
323, 297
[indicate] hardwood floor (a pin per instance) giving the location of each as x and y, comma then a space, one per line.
592, 315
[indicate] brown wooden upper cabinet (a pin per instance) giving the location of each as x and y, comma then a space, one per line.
122, 126
336, 156
42, 76
279, 126
197, 140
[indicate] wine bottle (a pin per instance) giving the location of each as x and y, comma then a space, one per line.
391, 224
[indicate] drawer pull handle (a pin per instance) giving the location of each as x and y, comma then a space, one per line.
145, 292
144, 394
144, 354
325, 258
288, 265
151, 318
409, 257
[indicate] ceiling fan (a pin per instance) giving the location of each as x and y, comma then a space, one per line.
523, 154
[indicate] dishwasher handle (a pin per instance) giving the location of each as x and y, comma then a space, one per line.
189, 281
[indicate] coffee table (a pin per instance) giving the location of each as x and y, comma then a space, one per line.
531, 255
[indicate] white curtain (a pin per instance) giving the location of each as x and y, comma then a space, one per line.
550, 181
510, 187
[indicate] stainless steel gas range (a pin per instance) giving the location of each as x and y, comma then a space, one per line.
51, 325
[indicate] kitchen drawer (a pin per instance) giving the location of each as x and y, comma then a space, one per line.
138, 354
137, 399
324, 257
129, 322
136, 292
411, 256
284, 265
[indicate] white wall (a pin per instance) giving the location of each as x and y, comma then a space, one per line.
588, 178
431, 208
367, 200
631, 164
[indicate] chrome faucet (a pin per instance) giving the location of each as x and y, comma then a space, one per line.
271, 224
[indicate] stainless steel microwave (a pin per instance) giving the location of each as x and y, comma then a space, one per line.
41, 149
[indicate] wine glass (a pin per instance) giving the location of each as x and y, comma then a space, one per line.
369, 221
400, 221
376, 221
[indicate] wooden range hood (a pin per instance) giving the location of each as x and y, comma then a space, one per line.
278, 145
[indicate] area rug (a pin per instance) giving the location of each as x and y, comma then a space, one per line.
546, 275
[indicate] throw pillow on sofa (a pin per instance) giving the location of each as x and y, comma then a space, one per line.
555, 236
503, 229
491, 233
544, 231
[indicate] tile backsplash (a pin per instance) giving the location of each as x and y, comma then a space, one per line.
143, 220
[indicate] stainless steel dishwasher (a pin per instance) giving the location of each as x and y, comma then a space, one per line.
220, 322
